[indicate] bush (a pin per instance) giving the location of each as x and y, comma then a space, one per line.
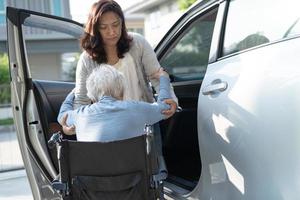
4, 71
4, 80
4, 94
7, 121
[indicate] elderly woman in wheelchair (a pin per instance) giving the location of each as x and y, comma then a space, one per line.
113, 157
110, 118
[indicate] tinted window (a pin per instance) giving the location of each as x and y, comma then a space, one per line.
251, 23
188, 58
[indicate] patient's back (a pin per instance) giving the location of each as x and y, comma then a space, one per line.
111, 120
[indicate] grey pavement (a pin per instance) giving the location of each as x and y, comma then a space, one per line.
10, 155
14, 186
5, 113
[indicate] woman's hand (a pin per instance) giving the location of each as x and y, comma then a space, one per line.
160, 72
68, 130
172, 110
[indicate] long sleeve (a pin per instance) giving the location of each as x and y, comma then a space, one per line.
164, 92
82, 73
172, 93
152, 113
67, 108
151, 64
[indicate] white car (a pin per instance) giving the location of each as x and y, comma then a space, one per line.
235, 68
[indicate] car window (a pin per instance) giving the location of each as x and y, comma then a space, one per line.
252, 23
188, 57
52, 48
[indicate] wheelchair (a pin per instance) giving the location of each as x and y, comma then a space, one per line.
127, 169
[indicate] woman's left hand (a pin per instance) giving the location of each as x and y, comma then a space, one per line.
172, 110
158, 73
68, 130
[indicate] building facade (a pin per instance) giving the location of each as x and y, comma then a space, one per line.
44, 48
53, 7
135, 23
159, 17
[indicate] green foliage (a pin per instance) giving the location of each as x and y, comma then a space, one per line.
4, 71
7, 121
185, 4
4, 80
4, 94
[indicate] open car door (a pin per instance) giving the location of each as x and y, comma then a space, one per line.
186, 52
38, 44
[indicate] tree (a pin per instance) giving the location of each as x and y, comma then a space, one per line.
185, 4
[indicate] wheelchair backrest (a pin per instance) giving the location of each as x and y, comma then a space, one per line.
112, 170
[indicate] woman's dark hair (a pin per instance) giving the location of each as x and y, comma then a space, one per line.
92, 42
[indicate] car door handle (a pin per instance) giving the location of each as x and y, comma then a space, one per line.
214, 87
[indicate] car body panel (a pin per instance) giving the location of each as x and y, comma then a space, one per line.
248, 132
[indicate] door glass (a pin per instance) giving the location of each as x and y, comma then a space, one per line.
251, 23
52, 48
188, 58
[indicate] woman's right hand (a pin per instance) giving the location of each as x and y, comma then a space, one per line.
68, 130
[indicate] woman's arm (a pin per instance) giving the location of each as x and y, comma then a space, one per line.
67, 109
81, 97
153, 112
168, 100
152, 66
164, 84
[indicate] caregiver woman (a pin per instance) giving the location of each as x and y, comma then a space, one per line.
106, 40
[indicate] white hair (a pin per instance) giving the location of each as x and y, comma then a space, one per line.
105, 80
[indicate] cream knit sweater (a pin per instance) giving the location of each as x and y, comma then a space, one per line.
145, 63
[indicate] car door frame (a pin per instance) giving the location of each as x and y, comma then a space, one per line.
23, 99
172, 36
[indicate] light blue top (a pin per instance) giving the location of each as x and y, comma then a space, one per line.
110, 119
